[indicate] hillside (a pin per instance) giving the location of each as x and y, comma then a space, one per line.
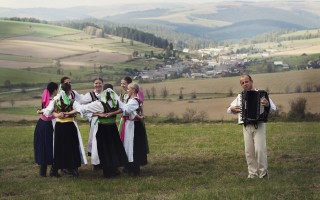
42, 53
216, 21
47, 49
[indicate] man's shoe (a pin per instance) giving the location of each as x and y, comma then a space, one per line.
266, 176
252, 176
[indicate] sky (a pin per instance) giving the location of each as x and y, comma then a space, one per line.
72, 3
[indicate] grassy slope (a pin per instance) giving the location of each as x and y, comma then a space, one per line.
75, 39
14, 28
23, 76
185, 162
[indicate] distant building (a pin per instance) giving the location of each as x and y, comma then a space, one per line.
185, 50
278, 63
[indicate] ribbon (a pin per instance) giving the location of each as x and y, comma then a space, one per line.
125, 118
103, 97
65, 98
140, 95
45, 98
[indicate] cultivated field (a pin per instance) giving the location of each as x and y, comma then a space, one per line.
275, 82
211, 95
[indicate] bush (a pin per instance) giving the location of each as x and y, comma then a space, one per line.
297, 109
298, 89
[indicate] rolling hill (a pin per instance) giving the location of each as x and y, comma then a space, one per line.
218, 21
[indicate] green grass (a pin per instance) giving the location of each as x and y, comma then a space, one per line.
16, 76
24, 59
15, 28
21, 110
189, 161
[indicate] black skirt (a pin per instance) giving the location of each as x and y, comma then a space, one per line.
110, 148
140, 144
43, 142
66, 146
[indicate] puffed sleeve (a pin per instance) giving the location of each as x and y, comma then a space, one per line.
235, 102
84, 99
130, 108
49, 109
272, 105
80, 97
88, 109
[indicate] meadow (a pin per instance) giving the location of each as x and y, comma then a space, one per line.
186, 161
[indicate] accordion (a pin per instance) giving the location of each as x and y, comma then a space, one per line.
251, 110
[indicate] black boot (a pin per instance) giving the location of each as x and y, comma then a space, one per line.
43, 170
54, 171
75, 172
136, 170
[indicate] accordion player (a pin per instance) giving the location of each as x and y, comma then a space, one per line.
251, 110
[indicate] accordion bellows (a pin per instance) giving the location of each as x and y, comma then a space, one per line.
251, 109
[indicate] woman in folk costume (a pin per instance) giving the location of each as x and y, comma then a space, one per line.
124, 98
43, 133
88, 98
68, 146
74, 95
107, 149
135, 138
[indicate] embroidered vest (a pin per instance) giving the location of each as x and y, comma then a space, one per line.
63, 107
93, 96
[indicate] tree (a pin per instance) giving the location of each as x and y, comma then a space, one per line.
57, 63
7, 84
230, 93
193, 95
148, 93
164, 92
153, 92
12, 101
181, 95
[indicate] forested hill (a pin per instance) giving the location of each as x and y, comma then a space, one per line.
193, 23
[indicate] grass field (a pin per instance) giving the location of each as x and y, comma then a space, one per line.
25, 76
189, 161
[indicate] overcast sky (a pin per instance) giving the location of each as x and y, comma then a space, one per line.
71, 3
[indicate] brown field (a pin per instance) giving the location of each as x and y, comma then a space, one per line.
275, 82
38, 49
73, 53
311, 49
216, 108
98, 58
